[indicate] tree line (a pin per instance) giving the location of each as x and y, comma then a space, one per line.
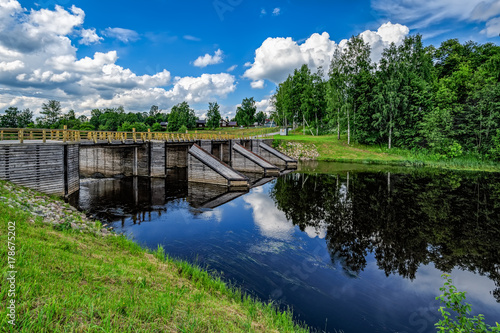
180, 118
444, 100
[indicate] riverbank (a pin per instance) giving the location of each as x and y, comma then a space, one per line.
329, 148
73, 275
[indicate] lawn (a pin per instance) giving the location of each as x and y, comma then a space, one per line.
330, 148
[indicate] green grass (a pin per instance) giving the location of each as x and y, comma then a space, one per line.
332, 149
71, 281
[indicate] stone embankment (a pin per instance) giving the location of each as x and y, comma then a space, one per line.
52, 211
299, 150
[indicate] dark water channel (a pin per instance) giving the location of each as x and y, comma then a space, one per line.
349, 249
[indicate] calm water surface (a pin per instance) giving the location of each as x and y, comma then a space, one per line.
349, 249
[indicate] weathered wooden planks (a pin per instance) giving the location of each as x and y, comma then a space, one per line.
246, 160
206, 168
276, 157
51, 168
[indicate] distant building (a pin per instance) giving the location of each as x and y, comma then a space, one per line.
201, 123
164, 124
269, 123
232, 124
223, 123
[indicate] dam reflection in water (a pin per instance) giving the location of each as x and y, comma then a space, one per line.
352, 251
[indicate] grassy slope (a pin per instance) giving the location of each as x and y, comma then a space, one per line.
331, 149
69, 281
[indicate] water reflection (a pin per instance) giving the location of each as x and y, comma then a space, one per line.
353, 251
404, 220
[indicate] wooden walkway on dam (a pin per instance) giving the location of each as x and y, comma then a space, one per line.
52, 161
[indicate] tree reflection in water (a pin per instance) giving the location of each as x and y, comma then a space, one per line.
450, 219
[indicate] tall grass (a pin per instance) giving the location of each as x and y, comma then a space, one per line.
72, 281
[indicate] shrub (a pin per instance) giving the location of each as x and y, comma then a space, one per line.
461, 322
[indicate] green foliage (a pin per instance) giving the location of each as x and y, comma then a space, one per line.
86, 127
445, 100
181, 115
183, 129
495, 147
245, 114
51, 112
460, 321
15, 118
156, 127
213, 116
260, 118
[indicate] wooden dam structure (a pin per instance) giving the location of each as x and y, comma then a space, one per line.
52, 161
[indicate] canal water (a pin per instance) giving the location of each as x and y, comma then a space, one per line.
350, 248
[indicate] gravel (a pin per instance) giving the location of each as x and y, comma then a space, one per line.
57, 213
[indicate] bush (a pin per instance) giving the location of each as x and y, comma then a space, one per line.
183, 129
157, 127
455, 301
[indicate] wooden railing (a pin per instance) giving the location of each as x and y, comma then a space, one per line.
66, 135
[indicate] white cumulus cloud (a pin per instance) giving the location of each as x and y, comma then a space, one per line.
259, 84
38, 61
89, 36
198, 89
276, 11
207, 59
11, 66
386, 34
265, 105
277, 57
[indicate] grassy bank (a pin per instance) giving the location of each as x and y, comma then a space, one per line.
329, 148
72, 276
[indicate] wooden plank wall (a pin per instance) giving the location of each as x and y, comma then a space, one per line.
216, 150
226, 152
113, 161
242, 163
207, 145
158, 159
199, 172
271, 158
143, 160
177, 155
40, 167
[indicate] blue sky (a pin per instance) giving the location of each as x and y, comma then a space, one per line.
95, 54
